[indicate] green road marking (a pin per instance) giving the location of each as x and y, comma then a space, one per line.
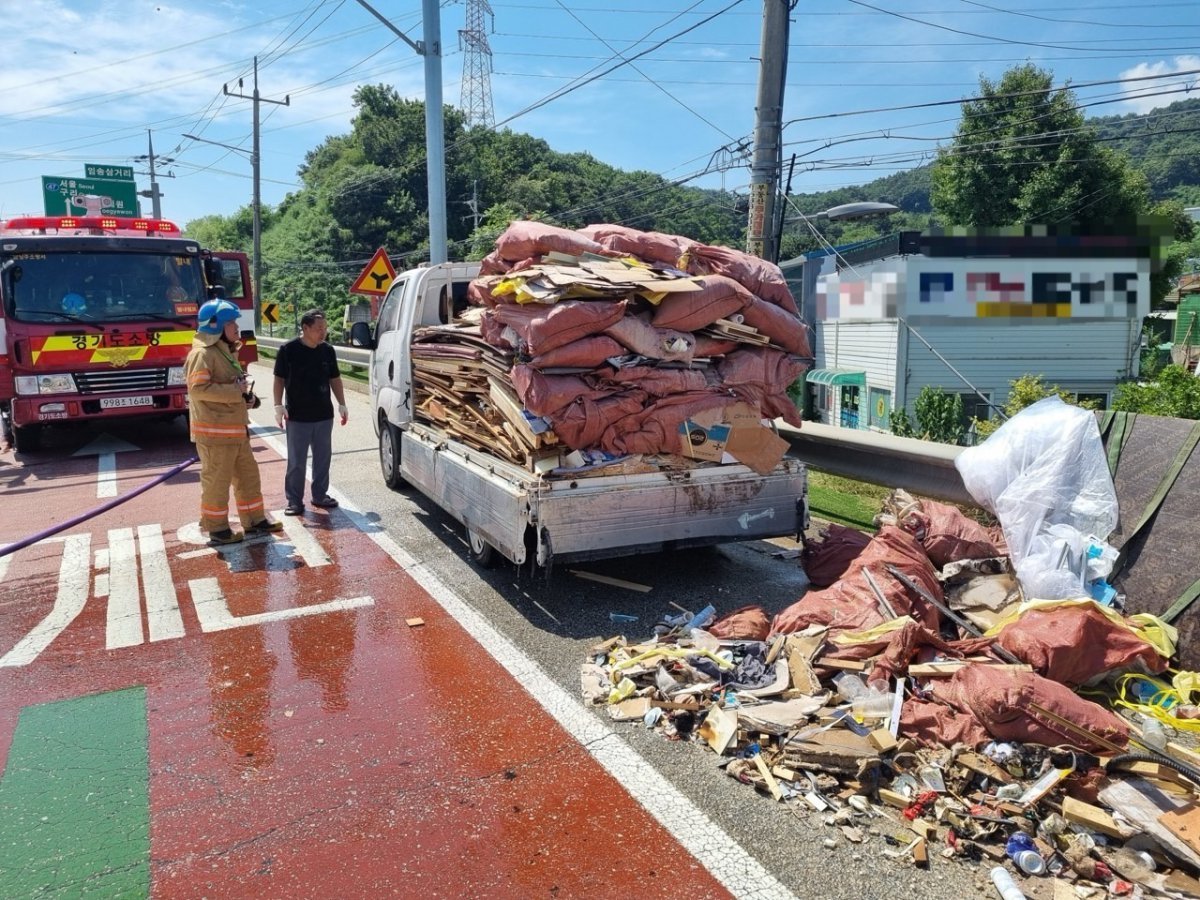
75, 799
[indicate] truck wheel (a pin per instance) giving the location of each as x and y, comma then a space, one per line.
389, 454
483, 553
27, 437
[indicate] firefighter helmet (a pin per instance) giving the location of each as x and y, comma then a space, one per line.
73, 303
214, 314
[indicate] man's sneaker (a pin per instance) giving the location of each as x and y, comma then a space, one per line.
225, 536
294, 509
266, 526
325, 503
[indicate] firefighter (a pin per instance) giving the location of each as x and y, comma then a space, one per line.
219, 396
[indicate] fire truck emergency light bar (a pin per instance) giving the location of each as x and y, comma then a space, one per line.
101, 223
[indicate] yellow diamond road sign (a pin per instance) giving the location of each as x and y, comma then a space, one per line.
377, 277
270, 313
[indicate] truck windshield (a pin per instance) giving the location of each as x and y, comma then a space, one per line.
101, 287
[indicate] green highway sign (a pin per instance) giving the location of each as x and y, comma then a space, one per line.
120, 173
94, 196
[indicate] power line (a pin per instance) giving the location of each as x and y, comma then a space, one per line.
988, 37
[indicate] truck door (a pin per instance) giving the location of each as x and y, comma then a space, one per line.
389, 362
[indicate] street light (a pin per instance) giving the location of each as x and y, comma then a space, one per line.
257, 211
846, 211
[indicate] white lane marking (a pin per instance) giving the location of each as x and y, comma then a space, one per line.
105, 448
302, 540
106, 475
124, 624
736, 869
212, 609
4, 560
162, 603
74, 572
194, 554
729, 862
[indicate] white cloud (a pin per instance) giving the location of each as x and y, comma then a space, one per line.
1139, 94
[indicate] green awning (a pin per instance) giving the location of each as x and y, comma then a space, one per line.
836, 376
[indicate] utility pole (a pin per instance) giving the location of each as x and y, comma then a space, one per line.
435, 137
768, 131
154, 193
473, 205
256, 164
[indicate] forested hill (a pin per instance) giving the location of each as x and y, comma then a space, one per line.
1164, 144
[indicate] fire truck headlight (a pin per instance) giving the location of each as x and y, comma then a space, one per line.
175, 376
45, 384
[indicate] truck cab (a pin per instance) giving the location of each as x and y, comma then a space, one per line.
97, 315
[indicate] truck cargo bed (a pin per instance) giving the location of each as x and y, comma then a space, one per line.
564, 519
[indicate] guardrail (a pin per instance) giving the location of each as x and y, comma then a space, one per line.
351, 356
925, 468
920, 467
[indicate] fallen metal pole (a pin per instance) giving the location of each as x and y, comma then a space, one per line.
948, 612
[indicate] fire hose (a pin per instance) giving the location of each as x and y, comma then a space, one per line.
103, 508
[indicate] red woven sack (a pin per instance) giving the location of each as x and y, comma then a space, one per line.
524, 239
718, 298
748, 623
827, 557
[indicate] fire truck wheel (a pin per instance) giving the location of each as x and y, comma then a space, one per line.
27, 437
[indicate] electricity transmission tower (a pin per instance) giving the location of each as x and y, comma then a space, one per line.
476, 97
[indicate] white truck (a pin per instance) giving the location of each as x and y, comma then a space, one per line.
522, 515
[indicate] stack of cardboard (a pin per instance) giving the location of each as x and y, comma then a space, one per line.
671, 369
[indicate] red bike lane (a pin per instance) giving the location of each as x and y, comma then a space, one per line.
280, 724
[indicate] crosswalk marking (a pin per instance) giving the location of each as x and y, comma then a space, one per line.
302, 539
134, 572
162, 603
73, 572
212, 609
124, 603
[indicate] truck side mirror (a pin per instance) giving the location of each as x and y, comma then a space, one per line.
360, 336
214, 274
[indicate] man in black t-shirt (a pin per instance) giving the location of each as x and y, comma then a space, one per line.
306, 370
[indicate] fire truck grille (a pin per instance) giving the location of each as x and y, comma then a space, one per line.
120, 380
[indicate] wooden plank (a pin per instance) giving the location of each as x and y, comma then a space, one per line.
614, 582
949, 667
846, 665
1093, 817
1141, 801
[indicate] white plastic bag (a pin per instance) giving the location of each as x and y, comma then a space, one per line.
1044, 475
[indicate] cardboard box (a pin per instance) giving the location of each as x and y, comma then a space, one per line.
733, 434
705, 436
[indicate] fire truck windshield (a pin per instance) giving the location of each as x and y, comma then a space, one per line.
101, 287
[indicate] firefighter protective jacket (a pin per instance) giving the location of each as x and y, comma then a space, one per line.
215, 401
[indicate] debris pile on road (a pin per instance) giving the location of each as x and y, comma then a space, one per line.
923, 703
618, 344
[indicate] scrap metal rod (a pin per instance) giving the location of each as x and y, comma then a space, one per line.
884, 606
948, 612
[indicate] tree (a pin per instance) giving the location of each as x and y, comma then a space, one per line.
1176, 393
1024, 391
1023, 153
939, 417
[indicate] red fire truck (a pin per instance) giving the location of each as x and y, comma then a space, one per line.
97, 315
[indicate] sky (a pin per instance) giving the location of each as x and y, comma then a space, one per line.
668, 87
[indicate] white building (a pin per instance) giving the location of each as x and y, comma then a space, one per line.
969, 315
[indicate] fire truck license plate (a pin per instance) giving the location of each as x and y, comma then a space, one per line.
123, 402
